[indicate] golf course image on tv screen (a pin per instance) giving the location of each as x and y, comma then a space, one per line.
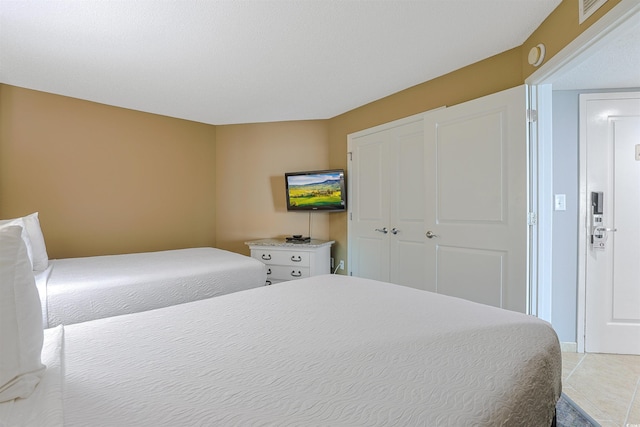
322, 190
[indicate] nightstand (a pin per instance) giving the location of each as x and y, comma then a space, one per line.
290, 261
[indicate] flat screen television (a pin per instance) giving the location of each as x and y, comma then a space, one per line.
316, 191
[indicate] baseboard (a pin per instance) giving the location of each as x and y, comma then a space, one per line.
569, 347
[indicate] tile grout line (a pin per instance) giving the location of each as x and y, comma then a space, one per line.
592, 403
633, 398
576, 367
620, 415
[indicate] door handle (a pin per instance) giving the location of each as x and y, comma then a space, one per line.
394, 230
383, 230
430, 234
606, 229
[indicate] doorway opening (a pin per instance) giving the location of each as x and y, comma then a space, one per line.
561, 285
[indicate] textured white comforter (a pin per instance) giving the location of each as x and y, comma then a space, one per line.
328, 350
44, 407
79, 289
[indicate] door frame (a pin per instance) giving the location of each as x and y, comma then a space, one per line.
540, 82
540, 202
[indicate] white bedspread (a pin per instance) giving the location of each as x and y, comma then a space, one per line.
81, 289
328, 350
44, 407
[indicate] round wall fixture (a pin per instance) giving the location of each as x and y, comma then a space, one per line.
536, 55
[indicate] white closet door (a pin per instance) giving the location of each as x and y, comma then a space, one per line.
369, 206
406, 179
386, 178
476, 200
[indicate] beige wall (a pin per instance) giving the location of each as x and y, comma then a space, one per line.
250, 164
559, 29
104, 179
110, 180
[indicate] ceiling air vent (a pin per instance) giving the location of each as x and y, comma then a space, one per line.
587, 7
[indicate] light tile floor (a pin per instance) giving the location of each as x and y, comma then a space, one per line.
605, 386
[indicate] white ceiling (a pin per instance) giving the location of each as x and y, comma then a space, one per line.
243, 61
612, 64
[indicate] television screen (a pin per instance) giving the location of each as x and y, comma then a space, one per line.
316, 190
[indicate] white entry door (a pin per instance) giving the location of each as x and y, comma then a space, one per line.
386, 180
610, 134
477, 200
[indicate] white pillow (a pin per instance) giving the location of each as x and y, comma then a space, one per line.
24, 234
35, 245
21, 333
38, 248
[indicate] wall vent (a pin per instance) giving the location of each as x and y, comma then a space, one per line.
587, 7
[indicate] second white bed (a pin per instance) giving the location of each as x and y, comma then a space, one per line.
76, 290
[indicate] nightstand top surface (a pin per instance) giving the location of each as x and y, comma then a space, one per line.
282, 242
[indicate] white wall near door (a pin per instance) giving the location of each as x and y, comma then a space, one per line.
565, 223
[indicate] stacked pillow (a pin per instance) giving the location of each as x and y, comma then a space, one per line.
33, 239
21, 333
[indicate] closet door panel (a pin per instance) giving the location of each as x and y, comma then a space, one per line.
406, 181
476, 207
369, 207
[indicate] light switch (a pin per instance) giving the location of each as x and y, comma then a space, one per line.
561, 202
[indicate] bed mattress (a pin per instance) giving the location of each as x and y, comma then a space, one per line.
79, 289
328, 350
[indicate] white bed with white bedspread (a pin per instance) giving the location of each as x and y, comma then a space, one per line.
74, 290
327, 350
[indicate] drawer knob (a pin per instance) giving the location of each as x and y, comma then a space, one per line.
296, 258
266, 257
267, 283
268, 271
299, 274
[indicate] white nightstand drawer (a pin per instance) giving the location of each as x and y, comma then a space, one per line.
284, 272
293, 258
289, 261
